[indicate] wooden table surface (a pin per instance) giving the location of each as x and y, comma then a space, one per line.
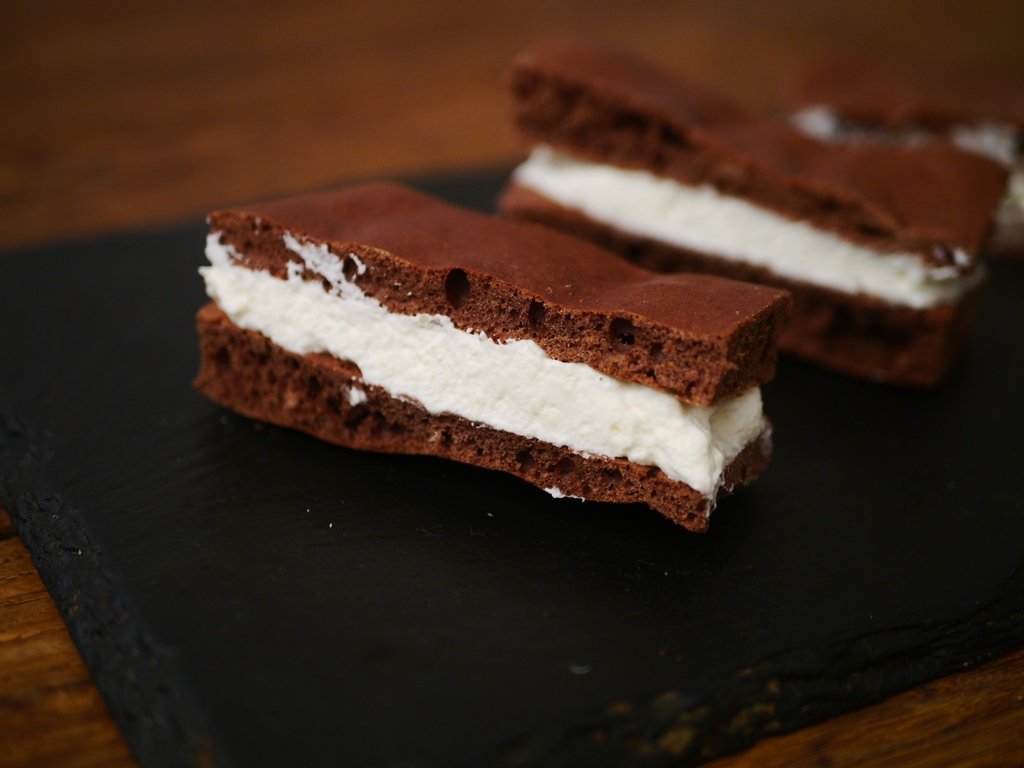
118, 115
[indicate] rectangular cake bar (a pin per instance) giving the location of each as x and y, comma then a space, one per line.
382, 319
877, 244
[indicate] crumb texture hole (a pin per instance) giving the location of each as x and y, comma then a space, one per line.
871, 230
222, 359
565, 466
536, 313
526, 461
622, 332
456, 288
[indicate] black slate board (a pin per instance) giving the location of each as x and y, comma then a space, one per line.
251, 596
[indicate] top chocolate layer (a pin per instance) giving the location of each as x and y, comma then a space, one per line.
611, 107
702, 338
889, 98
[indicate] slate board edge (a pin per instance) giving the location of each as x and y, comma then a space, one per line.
154, 713
164, 727
778, 695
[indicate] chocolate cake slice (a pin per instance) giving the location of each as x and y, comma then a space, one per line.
877, 244
381, 319
848, 99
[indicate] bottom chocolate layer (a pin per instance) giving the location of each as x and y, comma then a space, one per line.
852, 334
326, 397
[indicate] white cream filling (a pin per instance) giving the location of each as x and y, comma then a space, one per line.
817, 121
703, 219
824, 124
512, 386
992, 140
556, 493
1015, 189
996, 141
356, 396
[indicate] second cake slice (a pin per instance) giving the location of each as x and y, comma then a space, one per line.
877, 244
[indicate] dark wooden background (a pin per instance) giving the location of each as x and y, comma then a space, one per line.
119, 115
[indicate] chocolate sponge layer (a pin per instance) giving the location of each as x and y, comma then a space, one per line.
608, 106
246, 372
876, 102
702, 338
851, 334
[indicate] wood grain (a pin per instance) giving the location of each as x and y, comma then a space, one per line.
50, 711
128, 115
973, 718
124, 115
